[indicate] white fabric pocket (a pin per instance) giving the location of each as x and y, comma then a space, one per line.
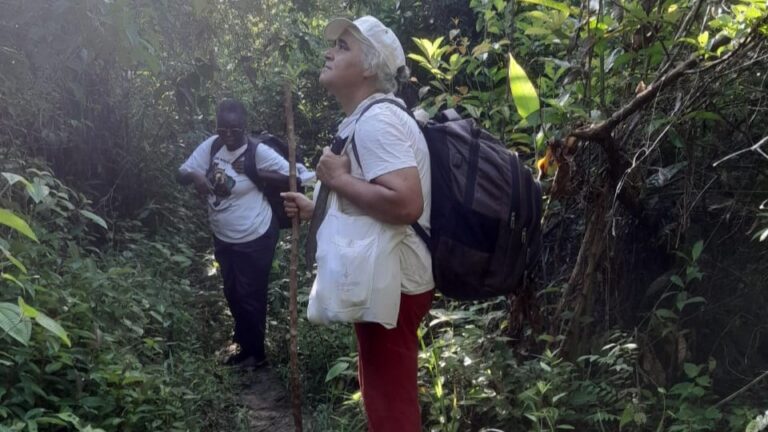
348, 264
358, 270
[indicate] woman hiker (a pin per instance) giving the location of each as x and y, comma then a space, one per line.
366, 63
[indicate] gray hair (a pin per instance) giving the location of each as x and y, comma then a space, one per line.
387, 80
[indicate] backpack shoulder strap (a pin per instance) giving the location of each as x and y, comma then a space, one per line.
423, 234
215, 147
261, 137
386, 100
278, 145
249, 161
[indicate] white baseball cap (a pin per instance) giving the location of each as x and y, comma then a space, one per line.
371, 29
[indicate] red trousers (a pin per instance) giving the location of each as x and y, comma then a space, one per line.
388, 368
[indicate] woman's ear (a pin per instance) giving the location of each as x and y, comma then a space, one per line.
369, 73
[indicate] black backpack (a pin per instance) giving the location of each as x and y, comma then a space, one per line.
486, 210
270, 183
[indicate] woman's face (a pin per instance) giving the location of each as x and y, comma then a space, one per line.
343, 64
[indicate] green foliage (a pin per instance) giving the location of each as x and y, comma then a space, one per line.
535, 70
464, 78
116, 341
108, 320
523, 93
9, 219
677, 296
758, 424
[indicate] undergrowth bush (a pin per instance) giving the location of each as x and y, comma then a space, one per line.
98, 335
474, 377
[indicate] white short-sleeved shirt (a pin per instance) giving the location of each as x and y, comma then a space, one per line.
387, 140
242, 213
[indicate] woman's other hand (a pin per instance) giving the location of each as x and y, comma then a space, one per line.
331, 167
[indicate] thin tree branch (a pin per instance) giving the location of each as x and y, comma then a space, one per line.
756, 148
603, 129
680, 32
741, 390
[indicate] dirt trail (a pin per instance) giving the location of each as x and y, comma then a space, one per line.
268, 402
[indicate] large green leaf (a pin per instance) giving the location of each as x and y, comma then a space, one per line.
37, 190
13, 178
627, 416
697, 249
8, 277
53, 326
15, 222
14, 323
98, 220
44, 320
27, 310
523, 92
336, 370
13, 260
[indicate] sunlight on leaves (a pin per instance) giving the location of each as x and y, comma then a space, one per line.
9, 219
13, 260
523, 92
563, 7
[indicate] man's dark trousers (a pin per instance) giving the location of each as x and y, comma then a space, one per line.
245, 270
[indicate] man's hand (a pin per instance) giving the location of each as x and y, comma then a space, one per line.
201, 185
297, 203
332, 167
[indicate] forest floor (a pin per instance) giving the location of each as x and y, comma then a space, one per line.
267, 400
263, 394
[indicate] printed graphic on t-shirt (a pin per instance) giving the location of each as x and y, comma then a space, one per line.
221, 183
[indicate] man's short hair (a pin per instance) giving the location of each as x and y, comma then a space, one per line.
232, 108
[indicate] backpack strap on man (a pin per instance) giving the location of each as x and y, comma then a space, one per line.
416, 226
265, 179
249, 162
216, 145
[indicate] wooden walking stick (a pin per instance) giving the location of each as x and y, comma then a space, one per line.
293, 273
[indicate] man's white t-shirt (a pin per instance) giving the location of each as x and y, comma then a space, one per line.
241, 213
387, 140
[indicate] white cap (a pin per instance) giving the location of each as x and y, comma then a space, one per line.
371, 29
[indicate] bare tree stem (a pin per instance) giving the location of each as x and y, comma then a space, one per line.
294, 264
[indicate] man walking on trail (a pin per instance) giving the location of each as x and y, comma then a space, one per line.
389, 180
245, 232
